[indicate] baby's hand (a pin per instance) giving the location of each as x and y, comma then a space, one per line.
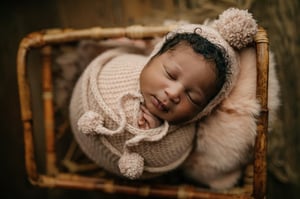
147, 120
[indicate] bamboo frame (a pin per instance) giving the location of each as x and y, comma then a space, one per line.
260, 163
256, 175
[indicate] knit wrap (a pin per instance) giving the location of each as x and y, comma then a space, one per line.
104, 111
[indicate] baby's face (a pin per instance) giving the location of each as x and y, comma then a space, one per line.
177, 84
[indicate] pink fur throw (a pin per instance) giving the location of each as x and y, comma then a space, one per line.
225, 139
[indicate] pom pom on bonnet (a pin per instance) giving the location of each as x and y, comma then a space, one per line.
237, 27
233, 30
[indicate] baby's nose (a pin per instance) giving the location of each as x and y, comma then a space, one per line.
174, 92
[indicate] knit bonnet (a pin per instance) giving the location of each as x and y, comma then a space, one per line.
232, 31
106, 100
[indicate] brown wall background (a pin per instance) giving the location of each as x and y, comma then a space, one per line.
18, 18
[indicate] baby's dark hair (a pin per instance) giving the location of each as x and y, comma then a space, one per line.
201, 45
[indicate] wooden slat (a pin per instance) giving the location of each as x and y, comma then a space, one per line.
49, 122
260, 155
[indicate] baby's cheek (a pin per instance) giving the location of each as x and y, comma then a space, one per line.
185, 113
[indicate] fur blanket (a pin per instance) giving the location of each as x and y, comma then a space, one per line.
225, 139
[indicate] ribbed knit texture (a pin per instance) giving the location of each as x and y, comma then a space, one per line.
114, 75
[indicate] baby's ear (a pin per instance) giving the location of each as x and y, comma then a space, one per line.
237, 27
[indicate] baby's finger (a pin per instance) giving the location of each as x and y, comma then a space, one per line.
145, 110
141, 122
150, 121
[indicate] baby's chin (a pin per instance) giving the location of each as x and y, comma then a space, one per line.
167, 116
176, 121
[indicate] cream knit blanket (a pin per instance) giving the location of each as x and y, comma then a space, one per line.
104, 112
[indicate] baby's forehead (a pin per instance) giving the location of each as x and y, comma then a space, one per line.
179, 50
187, 49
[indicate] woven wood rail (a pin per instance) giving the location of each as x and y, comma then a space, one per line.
255, 175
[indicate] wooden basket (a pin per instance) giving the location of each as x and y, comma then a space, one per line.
254, 185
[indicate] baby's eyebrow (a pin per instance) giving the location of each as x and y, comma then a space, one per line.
178, 68
172, 63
